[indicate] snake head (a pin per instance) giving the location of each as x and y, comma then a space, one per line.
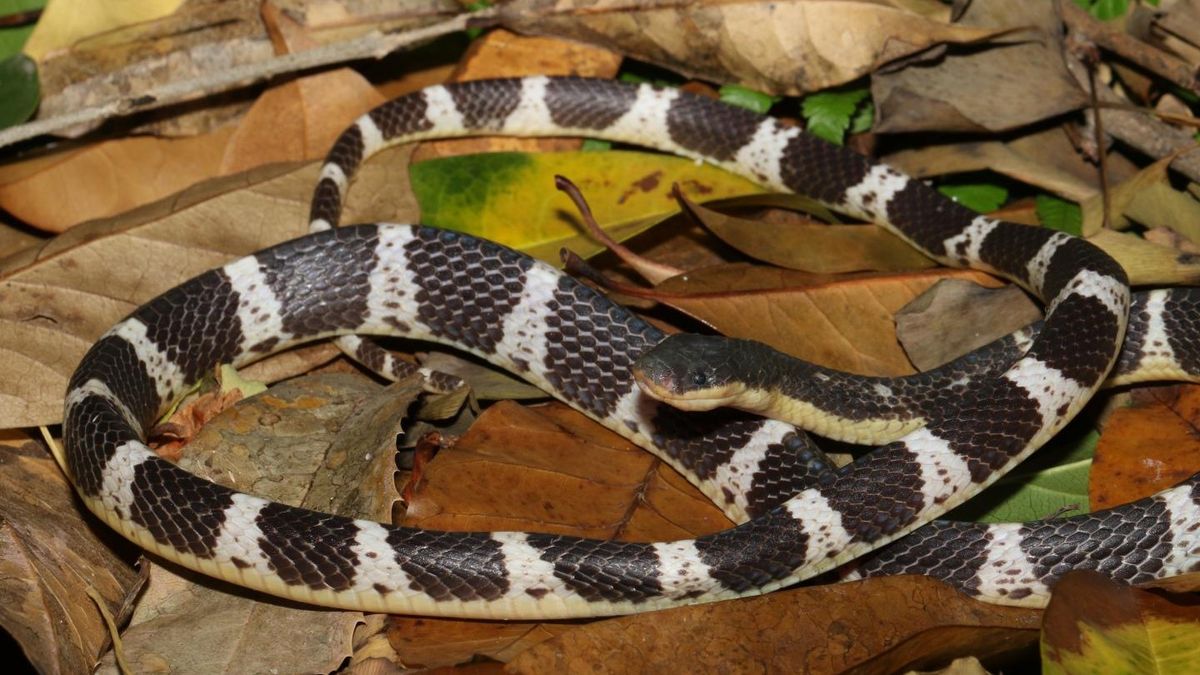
696, 372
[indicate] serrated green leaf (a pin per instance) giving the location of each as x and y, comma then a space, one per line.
1059, 214
19, 89
828, 113
863, 118
12, 39
747, 98
981, 197
510, 197
1054, 482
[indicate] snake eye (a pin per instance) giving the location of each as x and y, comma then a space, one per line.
699, 378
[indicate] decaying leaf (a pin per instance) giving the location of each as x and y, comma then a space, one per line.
1147, 447
1014, 82
547, 469
955, 317
51, 308
510, 197
780, 47
550, 469
325, 442
1096, 625
51, 558
884, 625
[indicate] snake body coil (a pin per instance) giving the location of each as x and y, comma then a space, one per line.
525, 316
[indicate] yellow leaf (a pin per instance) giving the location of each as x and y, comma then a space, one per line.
65, 22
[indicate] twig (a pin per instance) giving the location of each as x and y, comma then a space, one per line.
1139, 130
373, 45
1101, 156
652, 271
1129, 48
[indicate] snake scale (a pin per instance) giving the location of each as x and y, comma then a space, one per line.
801, 517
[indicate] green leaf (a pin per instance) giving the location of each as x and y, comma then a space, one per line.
19, 89
1059, 214
1053, 482
476, 6
981, 197
595, 145
828, 113
12, 39
1105, 10
747, 98
510, 197
863, 118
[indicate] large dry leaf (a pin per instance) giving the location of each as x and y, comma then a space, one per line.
847, 325
63, 23
49, 563
1147, 447
548, 469
1004, 87
813, 247
325, 442
56, 301
295, 121
885, 625
777, 46
955, 317
1026, 162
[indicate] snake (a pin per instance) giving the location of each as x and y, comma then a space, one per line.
565, 337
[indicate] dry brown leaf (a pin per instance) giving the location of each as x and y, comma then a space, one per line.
1148, 263
813, 247
52, 306
1148, 198
291, 363
779, 46
550, 469
883, 625
1021, 161
429, 642
325, 442
955, 317
13, 240
1148, 447
107, 178
50, 557
847, 325
547, 469
997, 89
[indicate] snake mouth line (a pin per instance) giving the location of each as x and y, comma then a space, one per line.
698, 400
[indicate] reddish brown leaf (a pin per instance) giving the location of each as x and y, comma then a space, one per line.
884, 625
1147, 447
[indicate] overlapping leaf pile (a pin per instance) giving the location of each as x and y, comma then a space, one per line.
994, 104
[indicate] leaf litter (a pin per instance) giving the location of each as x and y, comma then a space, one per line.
545, 467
